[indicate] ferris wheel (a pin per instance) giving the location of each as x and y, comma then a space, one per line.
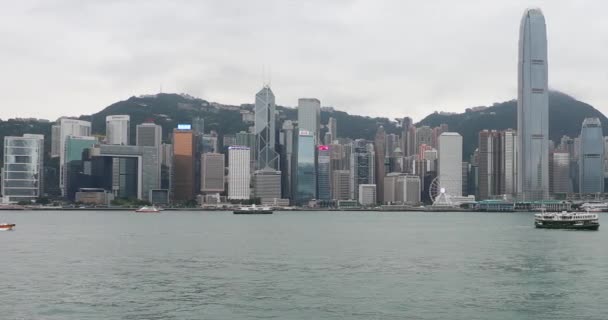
439, 194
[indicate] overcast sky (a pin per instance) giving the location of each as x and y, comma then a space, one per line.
377, 58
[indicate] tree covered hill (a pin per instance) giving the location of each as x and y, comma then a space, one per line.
566, 115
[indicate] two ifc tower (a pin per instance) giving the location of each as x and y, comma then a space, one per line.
532, 108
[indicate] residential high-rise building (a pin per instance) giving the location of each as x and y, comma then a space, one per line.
332, 126
380, 153
149, 135
362, 168
323, 173
118, 128
450, 163
591, 161
23, 170
340, 185
265, 129
309, 116
212, 173
391, 143
533, 108
424, 135
183, 165
239, 169
306, 183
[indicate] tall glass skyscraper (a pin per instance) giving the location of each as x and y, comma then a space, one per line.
306, 183
264, 129
533, 108
591, 157
22, 174
324, 173
309, 116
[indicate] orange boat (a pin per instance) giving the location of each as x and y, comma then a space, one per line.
7, 226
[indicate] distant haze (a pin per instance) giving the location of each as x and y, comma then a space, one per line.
377, 58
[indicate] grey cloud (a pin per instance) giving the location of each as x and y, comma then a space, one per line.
381, 58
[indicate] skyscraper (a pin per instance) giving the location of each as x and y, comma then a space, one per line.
591, 161
148, 135
239, 169
560, 173
361, 166
68, 127
264, 129
212, 173
306, 183
118, 129
532, 108
309, 116
424, 135
450, 163
183, 165
490, 156
23, 174
509, 162
288, 160
380, 149
323, 173
332, 126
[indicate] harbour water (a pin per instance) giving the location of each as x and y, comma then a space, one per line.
299, 265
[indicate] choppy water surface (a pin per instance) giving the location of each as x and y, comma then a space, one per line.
299, 265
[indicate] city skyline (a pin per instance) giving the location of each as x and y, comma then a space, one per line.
117, 68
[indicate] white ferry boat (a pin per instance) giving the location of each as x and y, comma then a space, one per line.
148, 209
567, 220
253, 210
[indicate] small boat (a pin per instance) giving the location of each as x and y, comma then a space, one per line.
7, 226
253, 210
148, 209
567, 220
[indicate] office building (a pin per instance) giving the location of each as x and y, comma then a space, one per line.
509, 162
323, 173
183, 183
23, 169
490, 158
68, 127
212, 173
247, 139
309, 116
306, 183
265, 129
533, 108
380, 155
560, 173
288, 159
267, 185
367, 194
340, 185
55, 140
128, 171
362, 167
148, 135
118, 128
74, 166
450, 163
239, 172
591, 157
